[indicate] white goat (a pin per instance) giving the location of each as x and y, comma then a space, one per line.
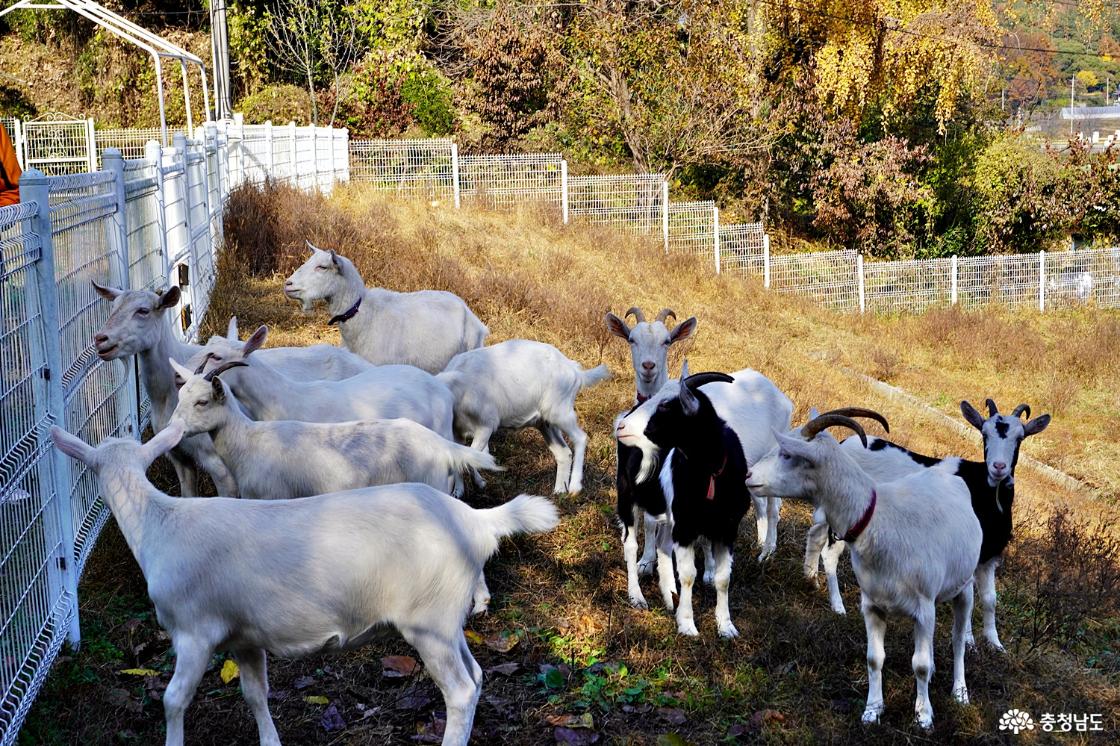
383, 392
296, 577
425, 328
739, 405
519, 383
914, 543
138, 324
320, 362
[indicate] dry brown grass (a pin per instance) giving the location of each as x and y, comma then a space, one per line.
564, 592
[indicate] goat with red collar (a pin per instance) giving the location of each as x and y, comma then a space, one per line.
914, 542
702, 495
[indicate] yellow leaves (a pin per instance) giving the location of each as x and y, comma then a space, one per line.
140, 672
316, 699
230, 671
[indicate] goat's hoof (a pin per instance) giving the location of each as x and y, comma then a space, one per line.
480, 606
688, 628
709, 578
645, 567
871, 715
924, 720
961, 695
638, 602
727, 630
996, 645
839, 609
970, 643
813, 577
766, 553
575, 489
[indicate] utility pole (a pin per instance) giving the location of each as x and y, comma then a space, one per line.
1072, 114
219, 48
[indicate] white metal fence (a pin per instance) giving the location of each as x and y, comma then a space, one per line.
639, 203
139, 223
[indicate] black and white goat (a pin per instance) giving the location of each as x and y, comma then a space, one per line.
991, 485
740, 405
702, 493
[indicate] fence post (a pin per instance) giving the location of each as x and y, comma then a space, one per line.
715, 234
859, 273
293, 153
1042, 280
766, 260
665, 214
91, 145
271, 155
315, 156
564, 190
455, 174
35, 187
117, 232
953, 281
346, 153
153, 151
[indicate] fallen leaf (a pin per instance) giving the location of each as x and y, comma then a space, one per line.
671, 739
505, 669
766, 717
553, 679
230, 671
122, 698
317, 699
503, 642
575, 737
303, 682
430, 732
140, 672
572, 721
413, 701
473, 636
332, 719
398, 666
672, 715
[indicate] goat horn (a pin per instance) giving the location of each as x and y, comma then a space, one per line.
815, 425
697, 380
638, 315
223, 368
870, 414
201, 366
993, 410
665, 313
1020, 409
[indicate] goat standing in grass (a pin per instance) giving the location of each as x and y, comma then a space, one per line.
425, 328
991, 486
521, 383
914, 543
297, 577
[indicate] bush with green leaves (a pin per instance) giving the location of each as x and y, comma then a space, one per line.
429, 95
279, 103
1017, 206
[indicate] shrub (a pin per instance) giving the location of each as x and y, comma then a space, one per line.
1017, 208
429, 95
374, 105
14, 103
279, 103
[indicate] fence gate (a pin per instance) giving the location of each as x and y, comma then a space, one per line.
59, 147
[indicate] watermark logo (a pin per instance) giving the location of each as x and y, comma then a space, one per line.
1016, 721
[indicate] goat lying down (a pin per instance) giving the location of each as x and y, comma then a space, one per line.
991, 486
297, 577
914, 543
321, 362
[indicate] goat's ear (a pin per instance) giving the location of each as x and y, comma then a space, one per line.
231, 330
684, 330
106, 291
72, 445
182, 373
170, 298
972, 416
164, 440
254, 342
689, 402
336, 261
684, 369
1037, 425
794, 446
617, 326
218, 389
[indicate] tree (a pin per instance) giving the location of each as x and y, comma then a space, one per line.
314, 41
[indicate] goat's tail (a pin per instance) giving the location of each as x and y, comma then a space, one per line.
524, 514
595, 375
461, 458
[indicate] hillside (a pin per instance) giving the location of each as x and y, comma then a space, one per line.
566, 657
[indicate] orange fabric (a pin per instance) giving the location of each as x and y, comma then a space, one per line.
9, 170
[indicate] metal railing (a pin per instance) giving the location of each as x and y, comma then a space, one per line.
140, 223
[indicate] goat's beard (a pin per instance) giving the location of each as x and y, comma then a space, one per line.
649, 460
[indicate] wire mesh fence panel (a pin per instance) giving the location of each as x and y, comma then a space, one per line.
827, 276
1010, 280
324, 158
692, 228
204, 268
131, 142
409, 168
256, 153
305, 160
632, 203
742, 248
498, 181
1075, 278
910, 285
96, 398
58, 148
34, 607
282, 166
342, 155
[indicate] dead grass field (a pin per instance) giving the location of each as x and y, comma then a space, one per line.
797, 673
